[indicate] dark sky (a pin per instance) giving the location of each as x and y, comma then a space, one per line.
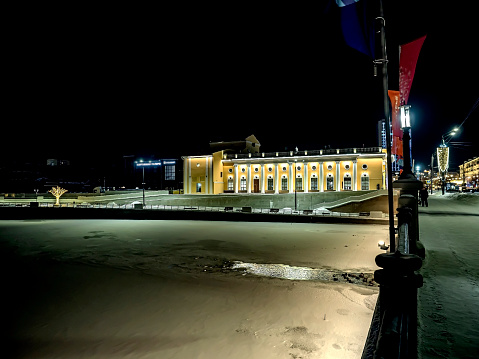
163, 82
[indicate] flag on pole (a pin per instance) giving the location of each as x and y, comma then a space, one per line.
357, 23
408, 55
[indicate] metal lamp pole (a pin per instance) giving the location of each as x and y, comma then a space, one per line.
143, 183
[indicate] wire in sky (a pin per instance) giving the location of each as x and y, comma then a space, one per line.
476, 104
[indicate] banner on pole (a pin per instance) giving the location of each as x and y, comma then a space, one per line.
408, 55
395, 120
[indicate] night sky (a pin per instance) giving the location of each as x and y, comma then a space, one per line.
163, 82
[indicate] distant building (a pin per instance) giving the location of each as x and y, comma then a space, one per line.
350, 169
469, 172
249, 145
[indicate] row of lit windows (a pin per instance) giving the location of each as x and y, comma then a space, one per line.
299, 183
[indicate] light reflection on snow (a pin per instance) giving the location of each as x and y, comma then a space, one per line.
284, 271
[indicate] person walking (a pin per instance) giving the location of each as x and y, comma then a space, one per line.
424, 195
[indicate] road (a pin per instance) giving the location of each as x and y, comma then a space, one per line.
448, 303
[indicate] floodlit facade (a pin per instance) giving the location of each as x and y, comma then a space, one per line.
469, 172
350, 169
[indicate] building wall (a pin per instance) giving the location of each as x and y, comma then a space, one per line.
198, 174
218, 173
469, 172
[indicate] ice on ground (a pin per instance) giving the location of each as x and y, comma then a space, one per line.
157, 289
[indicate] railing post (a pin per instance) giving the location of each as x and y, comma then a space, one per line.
398, 303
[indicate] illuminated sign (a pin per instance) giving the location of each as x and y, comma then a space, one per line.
148, 164
155, 163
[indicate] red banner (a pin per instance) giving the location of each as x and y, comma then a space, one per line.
397, 147
408, 55
395, 120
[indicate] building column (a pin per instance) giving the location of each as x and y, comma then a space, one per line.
236, 178
211, 189
186, 175
355, 175
248, 179
262, 181
305, 177
206, 176
276, 179
321, 177
338, 180
291, 177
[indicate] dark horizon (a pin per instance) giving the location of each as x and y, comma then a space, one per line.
166, 89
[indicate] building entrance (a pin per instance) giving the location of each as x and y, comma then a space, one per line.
256, 185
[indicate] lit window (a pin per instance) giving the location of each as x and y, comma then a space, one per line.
198, 187
365, 183
347, 183
170, 173
230, 184
330, 182
243, 184
270, 184
299, 184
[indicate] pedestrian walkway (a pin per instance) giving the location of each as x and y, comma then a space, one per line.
448, 303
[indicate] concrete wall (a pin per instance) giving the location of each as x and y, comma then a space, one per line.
303, 200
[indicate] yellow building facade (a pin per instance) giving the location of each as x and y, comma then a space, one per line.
469, 172
352, 169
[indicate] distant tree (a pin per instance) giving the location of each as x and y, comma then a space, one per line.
57, 192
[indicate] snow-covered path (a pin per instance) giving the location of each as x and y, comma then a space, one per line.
448, 303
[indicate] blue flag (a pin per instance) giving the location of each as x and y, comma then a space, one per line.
357, 23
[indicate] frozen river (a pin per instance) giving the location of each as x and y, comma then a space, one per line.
449, 300
167, 289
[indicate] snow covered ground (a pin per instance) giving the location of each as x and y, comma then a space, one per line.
167, 289
449, 300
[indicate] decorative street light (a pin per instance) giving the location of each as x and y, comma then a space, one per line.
406, 125
443, 156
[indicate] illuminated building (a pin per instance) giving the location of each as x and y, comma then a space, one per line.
350, 169
469, 172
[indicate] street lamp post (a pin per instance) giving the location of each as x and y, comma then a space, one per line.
407, 182
443, 156
406, 125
